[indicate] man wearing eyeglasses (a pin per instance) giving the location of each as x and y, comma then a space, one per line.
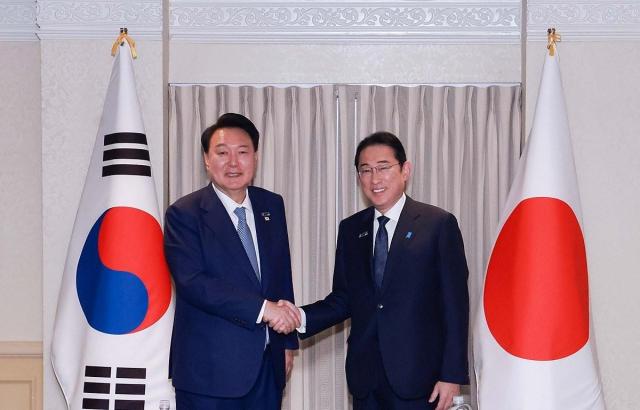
401, 276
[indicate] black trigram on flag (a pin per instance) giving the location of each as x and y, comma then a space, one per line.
99, 391
132, 160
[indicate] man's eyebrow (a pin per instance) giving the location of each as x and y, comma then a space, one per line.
223, 144
383, 161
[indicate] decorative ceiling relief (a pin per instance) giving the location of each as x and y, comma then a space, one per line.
98, 19
18, 20
584, 20
298, 21
398, 21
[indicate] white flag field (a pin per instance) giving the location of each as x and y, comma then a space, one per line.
533, 339
112, 332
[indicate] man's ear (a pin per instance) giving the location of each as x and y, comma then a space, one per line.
407, 168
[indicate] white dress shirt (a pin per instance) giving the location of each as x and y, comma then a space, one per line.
394, 216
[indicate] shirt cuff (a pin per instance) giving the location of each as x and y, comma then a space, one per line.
303, 322
264, 305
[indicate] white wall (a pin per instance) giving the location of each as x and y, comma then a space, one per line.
346, 63
602, 91
21, 193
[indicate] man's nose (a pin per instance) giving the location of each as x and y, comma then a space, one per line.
233, 159
375, 176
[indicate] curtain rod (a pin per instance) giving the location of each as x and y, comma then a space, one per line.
305, 85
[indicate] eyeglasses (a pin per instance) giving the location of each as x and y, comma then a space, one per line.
366, 172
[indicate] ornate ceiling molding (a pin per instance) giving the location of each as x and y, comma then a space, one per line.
584, 20
304, 22
99, 19
18, 20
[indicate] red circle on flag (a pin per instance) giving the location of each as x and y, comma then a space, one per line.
536, 295
130, 240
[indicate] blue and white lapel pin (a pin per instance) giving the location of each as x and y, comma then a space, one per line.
266, 216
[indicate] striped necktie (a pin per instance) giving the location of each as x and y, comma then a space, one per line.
247, 239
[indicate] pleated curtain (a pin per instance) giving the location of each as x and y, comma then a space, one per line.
463, 141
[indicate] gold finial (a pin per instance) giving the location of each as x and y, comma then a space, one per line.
552, 39
124, 36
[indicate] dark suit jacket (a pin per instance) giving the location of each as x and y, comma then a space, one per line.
418, 321
217, 347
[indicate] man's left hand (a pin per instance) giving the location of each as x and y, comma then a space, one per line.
288, 361
444, 392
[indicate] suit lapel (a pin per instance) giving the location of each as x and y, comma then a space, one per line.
364, 239
403, 233
217, 219
262, 217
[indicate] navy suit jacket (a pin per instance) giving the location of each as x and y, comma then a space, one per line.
417, 323
216, 346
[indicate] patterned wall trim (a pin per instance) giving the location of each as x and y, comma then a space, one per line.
18, 20
298, 21
361, 22
99, 19
584, 20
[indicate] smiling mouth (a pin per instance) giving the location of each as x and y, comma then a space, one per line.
378, 190
233, 174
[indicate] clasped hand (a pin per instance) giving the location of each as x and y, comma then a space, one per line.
283, 316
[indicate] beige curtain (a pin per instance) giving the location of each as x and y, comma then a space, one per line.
462, 141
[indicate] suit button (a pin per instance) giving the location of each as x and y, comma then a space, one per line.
380, 306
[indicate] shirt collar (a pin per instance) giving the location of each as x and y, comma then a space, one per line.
229, 204
394, 212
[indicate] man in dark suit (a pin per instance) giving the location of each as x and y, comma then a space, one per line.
401, 276
228, 251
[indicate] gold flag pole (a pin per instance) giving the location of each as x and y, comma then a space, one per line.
552, 39
124, 36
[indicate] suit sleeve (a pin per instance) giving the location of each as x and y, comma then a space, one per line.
455, 301
291, 340
335, 307
185, 258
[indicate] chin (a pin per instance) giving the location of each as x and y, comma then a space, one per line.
236, 184
377, 204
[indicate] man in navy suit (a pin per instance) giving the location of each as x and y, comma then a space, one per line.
401, 276
228, 251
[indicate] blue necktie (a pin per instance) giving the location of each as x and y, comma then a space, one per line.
247, 239
381, 250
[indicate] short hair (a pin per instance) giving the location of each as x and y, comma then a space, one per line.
231, 120
382, 138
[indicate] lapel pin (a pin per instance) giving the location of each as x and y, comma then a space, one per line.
409, 235
266, 216
363, 234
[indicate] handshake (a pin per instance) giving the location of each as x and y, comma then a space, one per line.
283, 316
